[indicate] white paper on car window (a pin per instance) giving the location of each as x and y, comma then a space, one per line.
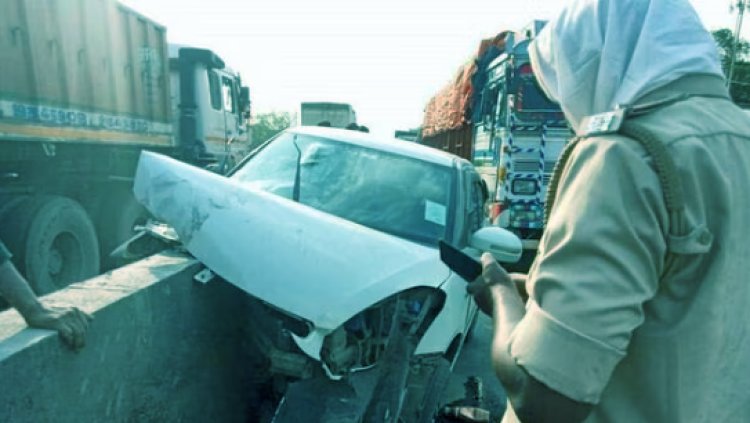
434, 212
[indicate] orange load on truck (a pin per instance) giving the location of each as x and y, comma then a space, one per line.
448, 114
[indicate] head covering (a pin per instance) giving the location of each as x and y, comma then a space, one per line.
602, 53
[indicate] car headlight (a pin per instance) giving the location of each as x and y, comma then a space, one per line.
362, 340
524, 186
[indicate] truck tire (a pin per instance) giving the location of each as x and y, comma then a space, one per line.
54, 242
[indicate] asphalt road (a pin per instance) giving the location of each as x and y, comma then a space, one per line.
475, 361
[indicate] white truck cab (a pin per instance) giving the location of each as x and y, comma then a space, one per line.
210, 104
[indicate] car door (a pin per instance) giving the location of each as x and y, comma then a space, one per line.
475, 198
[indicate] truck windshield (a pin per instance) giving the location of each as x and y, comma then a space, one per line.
532, 98
338, 115
531, 104
399, 195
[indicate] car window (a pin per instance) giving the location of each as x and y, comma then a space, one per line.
403, 196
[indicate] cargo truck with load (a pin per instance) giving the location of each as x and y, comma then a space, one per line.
85, 87
495, 114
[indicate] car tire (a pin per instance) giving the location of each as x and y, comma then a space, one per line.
54, 242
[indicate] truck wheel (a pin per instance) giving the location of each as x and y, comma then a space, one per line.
57, 244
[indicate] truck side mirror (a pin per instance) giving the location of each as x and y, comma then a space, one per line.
504, 245
245, 99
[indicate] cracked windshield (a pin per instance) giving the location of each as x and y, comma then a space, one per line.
360, 184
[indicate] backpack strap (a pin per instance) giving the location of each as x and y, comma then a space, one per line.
683, 237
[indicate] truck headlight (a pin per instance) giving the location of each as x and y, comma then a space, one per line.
524, 186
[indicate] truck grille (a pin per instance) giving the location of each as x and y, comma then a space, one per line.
528, 166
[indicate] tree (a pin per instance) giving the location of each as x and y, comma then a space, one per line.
740, 88
725, 40
267, 125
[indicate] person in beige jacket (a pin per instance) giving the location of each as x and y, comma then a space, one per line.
639, 297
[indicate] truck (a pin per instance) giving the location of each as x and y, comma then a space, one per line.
86, 87
411, 135
335, 115
495, 114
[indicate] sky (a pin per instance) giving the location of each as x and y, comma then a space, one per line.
386, 58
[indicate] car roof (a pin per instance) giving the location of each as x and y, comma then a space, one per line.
390, 145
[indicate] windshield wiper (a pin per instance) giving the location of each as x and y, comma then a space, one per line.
295, 190
410, 236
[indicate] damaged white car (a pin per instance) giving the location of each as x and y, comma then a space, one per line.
337, 232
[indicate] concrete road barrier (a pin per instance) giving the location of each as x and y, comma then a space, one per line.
161, 348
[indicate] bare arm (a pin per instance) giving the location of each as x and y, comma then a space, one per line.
497, 295
16, 291
71, 322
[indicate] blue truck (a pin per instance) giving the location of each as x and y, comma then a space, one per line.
507, 127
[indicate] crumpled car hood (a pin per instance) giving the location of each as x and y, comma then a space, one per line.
308, 263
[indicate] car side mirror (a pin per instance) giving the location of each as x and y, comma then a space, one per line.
504, 245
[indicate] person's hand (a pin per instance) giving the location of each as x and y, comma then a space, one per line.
492, 276
70, 322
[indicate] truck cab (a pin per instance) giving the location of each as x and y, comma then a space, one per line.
335, 115
518, 139
210, 106
69, 144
